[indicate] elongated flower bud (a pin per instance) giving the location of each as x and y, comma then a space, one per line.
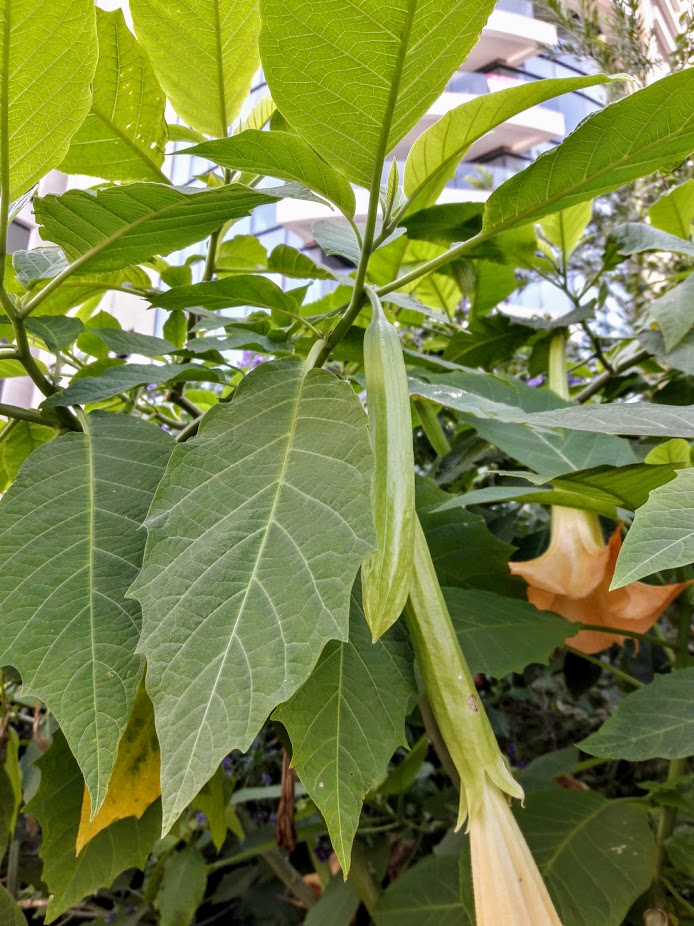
451, 690
386, 572
509, 890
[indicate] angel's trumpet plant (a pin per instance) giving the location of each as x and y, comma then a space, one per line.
572, 578
507, 884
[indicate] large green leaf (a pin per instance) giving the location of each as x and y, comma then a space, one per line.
647, 131
638, 237
70, 546
57, 805
436, 892
487, 342
597, 856
621, 418
48, 53
238, 290
654, 722
205, 53
254, 539
123, 225
565, 229
347, 720
436, 153
681, 357
16, 446
368, 70
10, 914
123, 378
182, 887
674, 312
500, 635
662, 535
124, 135
281, 155
674, 212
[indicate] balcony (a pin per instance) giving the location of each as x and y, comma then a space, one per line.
512, 35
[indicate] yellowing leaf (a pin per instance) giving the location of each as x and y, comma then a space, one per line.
135, 783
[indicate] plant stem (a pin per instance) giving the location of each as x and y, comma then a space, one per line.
439, 746
618, 673
604, 378
363, 880
432, 427
26, 414
290, 877
557, 366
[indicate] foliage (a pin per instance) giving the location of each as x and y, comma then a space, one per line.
210, 704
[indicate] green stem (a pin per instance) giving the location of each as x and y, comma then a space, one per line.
290, 877
432, 427
557, 366
25, 414
433, 733
363, 879
618, 673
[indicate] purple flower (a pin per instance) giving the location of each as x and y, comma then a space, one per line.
111, 917
200, 817
575, 381
535, 381
266, 779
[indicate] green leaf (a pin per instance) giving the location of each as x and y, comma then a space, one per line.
649, 130
637, 237
233, 291
240, 595
621, 418
123, 225
436, 892
78, 290
125, 133
22, 440
132, 342
681, 357
39, 264
240, 254
680, 850
123, 378
283, 156
596, 856
676, 450
500, 635
182, 887
662, 535
57, 332
674, 211
674, 313
368, 71
70, 546
336, 237
48, 53
239, 339
487, 342
205, 56
10, 914
295, 264
57, 805
435, 155
347, 720
337, 905
405, 773
465, 552
565, 229
654, 722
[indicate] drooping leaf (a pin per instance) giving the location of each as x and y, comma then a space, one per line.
48, 51
681, 357
124, 134
231, 292
674, 211
281, 155
336, 237
205, 56
435, 155
57, 332
182, 887
654, 722
134, 784
435, 892
248, 569
621, 418
124, 377
368, 71
674, 312
500, 635
213, 801
638, 237
132, 342
10, 913
337, 905
662, 535
70, 546
649, 130
565, 229
56, 805
596, 855
347, 720
122, 225
16, 446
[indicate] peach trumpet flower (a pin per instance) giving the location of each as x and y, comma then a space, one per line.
508, 887
572, 578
